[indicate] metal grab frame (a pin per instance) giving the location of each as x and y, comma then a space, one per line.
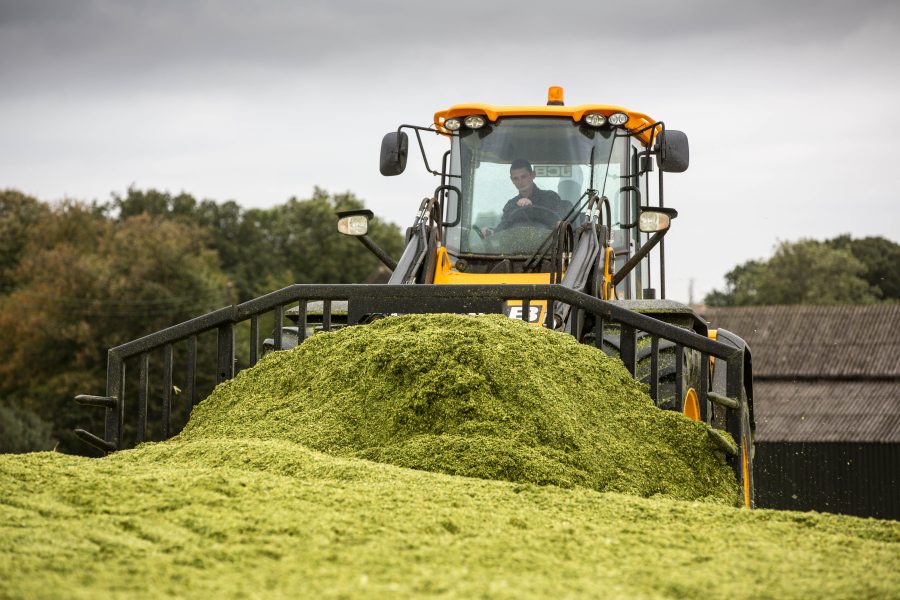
410, 299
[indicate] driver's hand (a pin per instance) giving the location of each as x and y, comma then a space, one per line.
486, 231
523, 202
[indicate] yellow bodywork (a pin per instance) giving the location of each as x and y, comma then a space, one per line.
445, 275
636, 120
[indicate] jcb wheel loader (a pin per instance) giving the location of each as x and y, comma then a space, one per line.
549, 213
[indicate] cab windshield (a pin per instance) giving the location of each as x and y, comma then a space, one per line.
566, 159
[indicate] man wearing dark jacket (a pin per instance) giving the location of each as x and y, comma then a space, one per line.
522, 175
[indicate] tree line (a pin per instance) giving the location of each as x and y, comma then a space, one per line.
841, 270
77, 278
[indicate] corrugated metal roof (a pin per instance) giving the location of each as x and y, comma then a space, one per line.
817, 341
832, 411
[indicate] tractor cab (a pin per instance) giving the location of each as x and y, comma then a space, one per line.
562, 165
539, 194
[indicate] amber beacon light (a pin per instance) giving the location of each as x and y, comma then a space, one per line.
555, 96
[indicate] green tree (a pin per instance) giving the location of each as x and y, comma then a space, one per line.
881, 259
803, 272
21, 430
264, 249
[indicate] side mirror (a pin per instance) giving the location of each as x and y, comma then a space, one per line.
654, 218
354, 222
394, 150
673, 154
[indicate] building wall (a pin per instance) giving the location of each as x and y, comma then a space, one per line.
860, 479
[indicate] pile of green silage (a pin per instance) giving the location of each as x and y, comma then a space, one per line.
280, 487
485, 397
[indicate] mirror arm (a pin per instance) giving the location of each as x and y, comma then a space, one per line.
389, 262
640, 254
417, 129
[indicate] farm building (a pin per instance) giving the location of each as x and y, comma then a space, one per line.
827, 405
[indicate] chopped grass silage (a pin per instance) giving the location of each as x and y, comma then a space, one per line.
290, 482
252, 518
485, 397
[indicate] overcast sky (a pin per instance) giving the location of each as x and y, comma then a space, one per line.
790, 107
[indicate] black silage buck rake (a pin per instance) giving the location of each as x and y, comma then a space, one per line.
640, 339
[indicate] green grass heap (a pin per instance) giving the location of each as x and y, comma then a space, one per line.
486, 397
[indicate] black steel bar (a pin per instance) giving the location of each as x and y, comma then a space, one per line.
643, 251
301, 321
168, 368
703, 394
598, 331
723, 400
293, 293
550, 317
662, 245
225, 370
101, 401
326, 315
654, 368
628, 348
679, 378
143, 392
279, 320
734, 423
254, 339
526, 309
386, 260
92, 440
115, 388
725, 444
192, 371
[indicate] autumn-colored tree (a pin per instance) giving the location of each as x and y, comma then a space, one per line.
18, 214
78, 279
85, 284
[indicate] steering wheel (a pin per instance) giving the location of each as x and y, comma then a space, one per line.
531, 215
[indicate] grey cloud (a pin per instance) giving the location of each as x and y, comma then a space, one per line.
107, 39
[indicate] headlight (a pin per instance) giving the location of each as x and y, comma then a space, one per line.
452, 124
354, 225
652, 221
474, 121
618, 119
594, 119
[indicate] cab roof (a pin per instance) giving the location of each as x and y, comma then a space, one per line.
636, 120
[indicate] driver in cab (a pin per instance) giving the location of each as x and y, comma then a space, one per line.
522, 175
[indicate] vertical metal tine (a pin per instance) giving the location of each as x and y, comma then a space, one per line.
167, 390
654, 368
115, 387
326, 315
628, 347
225, 369
143, 391
301, 321
254, 339
192, 371
579, 323
598, 331
734, 423
704, 387
549, 318
526, 309
679, 377
279, 316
